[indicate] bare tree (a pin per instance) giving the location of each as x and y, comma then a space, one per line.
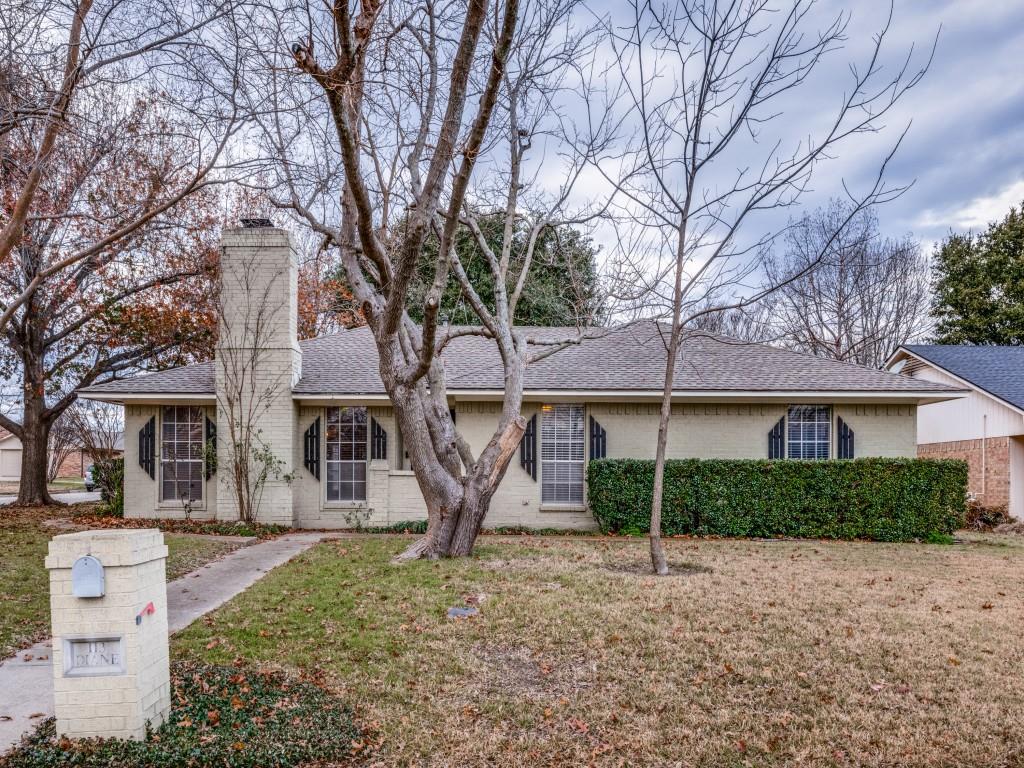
115, 118
865, 295
410, 99
99, 428
754, 322
62, 65
708, 80
64, 441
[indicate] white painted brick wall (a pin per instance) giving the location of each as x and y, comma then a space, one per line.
712, 430
112, 705
142, 493
259, 274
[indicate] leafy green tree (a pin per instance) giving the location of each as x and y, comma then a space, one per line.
562, 288
979, 285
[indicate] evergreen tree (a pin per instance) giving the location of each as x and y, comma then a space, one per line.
562, 288
979, 285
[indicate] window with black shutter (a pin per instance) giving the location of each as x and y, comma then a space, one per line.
598, 440
182, 464
347, 443
562, 445
808, 429
845, 438
147, 447
378, 440
311, 449
777, 440
528, 448
211, 447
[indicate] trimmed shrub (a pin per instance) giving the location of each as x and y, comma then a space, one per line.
879, 499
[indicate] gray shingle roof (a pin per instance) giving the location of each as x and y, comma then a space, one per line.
997, 370
626, 358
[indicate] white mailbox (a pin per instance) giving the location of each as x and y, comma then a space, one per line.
87, 577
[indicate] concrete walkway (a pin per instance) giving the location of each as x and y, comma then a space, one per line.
26, 680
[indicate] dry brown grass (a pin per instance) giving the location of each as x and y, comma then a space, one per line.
25, 534
755, 653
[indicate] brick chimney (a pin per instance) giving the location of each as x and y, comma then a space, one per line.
258, 360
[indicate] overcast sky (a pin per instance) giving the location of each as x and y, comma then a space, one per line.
965, 148
964, 152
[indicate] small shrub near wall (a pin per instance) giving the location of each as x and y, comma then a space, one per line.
982, 518
879, 499
109, 476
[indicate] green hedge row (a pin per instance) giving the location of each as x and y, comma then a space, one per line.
880, 499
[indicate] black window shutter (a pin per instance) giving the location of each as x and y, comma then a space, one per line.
451, 412
147, 447
598, 440
211, 447
311, 449
776, 440
528, 448
378, 441
845, 439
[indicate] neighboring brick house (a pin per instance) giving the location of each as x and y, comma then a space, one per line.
73, 465
330, 419
986, 428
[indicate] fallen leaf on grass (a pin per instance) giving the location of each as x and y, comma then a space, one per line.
578, 725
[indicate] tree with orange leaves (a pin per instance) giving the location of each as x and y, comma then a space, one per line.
142, 301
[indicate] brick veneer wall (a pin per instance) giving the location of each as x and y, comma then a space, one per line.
995, 458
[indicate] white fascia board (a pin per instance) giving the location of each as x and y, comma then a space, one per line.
564, 395
380, 398
147, 398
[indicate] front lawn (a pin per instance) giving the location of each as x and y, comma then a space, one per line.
754, 653
25, 583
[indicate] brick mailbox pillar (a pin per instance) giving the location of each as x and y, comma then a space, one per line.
108, 607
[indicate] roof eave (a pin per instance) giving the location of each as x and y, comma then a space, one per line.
918, 397
971, 387
148, 398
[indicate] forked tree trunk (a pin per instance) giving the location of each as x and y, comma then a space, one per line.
454, 523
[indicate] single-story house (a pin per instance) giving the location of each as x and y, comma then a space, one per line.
73, 465
331, 421
986, 428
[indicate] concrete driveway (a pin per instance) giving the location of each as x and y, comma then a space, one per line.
71, 497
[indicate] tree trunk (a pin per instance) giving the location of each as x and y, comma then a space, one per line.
658, 560
453, 526
35, 438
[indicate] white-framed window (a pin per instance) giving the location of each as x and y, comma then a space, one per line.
563, 454
346, 453
181, 453
808, 431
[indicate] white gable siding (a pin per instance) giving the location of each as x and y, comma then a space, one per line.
971, 418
